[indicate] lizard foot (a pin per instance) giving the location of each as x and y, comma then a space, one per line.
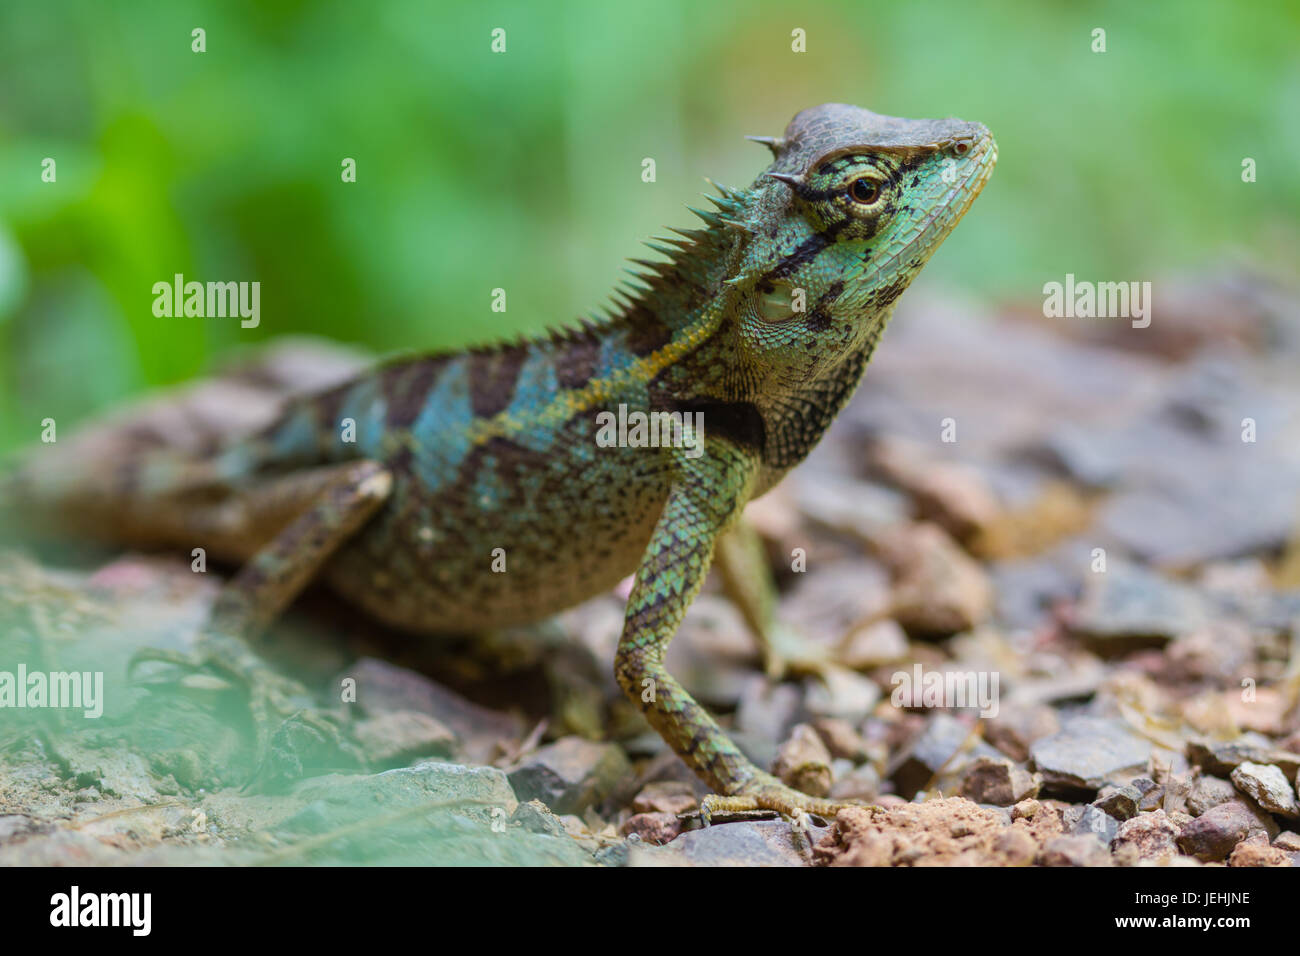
290, 732
766, 792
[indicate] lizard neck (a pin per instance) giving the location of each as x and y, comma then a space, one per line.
796, 421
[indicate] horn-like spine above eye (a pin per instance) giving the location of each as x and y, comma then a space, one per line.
794, 182
774, 143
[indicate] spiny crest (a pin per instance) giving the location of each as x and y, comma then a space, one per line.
685, 257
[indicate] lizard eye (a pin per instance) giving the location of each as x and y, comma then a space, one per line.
864, 190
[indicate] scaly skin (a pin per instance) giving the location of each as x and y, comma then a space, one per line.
458, 454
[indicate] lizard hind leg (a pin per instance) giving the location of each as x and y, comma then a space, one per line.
330, 508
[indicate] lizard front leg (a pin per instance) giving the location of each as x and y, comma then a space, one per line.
705, 499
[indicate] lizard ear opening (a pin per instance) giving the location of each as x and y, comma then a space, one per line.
777, 303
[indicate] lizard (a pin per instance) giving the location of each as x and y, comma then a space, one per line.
759, 326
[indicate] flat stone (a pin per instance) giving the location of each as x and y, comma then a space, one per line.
1088, 753
863, 508
1027, 588
744, 843
1221, 759
1227, 512
1266, 785
432, 813
1129, 606
406, 786
768, 709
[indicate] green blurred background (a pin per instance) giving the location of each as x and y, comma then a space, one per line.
479, 170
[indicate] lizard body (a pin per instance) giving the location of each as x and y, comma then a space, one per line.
459, 454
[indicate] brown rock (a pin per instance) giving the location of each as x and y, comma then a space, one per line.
665, 796
938, 588
1209, 792
1077, 850
860, 783
653, 828
1025, 810
1015, 847
876, 643
1119, 802
1177, 788
997, 781
1151, 835
945, 832
843, 742
1214, 834
1255, 854
804, 763
1289, 841
952, 495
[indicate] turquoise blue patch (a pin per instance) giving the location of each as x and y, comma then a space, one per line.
441, 432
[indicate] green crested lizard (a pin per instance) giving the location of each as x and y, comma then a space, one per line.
758, 327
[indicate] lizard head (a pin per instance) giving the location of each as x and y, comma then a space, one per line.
849, 212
